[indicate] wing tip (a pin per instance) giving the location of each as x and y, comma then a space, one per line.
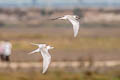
33, 43
30, 53
44, 72
75, 35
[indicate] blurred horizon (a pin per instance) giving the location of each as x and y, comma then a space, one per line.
61, 3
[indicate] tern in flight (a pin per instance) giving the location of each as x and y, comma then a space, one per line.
43, 48
74, 20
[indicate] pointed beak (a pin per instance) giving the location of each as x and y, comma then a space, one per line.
49, 47
52, 47
78, 17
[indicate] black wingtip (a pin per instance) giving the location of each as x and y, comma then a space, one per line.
55, 18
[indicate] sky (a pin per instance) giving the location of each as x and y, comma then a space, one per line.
60, 3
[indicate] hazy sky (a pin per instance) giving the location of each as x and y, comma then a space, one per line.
60, 2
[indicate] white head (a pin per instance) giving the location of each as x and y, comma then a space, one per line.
41, 45
76, 17
49, 47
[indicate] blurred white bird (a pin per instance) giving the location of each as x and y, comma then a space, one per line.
74, 20
45, 54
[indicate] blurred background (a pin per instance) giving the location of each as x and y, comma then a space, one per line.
93, 55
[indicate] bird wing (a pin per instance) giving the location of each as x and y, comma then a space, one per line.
35, 44
63, 17
46, 59
37, 50
75, 24
55, 18
39, 45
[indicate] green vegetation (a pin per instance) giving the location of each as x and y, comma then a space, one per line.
57, 75
22, 42
83, 43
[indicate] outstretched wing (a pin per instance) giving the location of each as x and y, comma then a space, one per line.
55, 18
37, 50
46, 59
39, 45
75, 24
35, 44
62, 18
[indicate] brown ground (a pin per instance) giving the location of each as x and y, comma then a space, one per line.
96, 53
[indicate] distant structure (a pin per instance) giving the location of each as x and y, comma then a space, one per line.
1, 51
5, 51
